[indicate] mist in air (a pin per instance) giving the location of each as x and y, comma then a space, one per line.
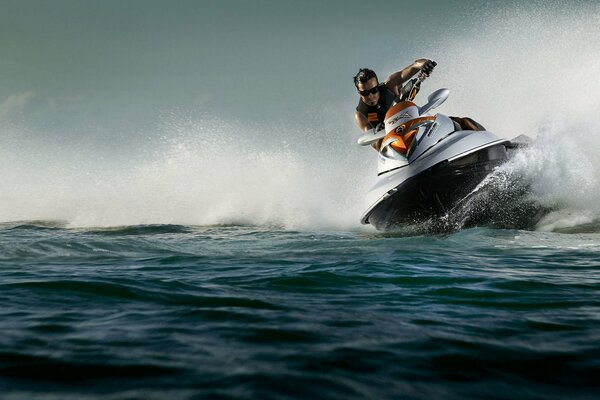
242, 112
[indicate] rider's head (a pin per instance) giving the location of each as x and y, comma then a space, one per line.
367, 86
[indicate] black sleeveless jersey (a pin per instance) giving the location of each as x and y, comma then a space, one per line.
376, 114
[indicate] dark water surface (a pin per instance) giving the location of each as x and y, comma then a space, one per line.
251, 312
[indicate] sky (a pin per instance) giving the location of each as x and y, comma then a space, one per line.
108, 60
116, 68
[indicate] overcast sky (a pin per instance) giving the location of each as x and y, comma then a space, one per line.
115, 64
130, 59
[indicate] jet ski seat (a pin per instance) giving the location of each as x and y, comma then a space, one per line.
467, 124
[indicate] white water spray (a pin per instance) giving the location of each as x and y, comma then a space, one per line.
206, 172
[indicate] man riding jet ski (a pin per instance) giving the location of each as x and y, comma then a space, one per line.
427, 163
376, 98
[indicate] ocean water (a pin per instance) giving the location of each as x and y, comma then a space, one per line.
172, 311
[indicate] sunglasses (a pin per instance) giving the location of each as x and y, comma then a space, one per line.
367, 92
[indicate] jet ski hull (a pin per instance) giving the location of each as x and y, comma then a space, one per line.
432, 192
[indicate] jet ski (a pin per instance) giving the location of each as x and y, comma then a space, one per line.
426, 163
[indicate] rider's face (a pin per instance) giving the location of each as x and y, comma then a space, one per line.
372, 98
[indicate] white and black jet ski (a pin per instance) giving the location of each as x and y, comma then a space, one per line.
426, 163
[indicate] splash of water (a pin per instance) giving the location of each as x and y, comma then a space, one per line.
550, 185
563, 168
203, 172
516, 68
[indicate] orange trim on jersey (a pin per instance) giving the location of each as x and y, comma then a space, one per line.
372, 117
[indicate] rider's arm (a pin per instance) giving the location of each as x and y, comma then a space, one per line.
395, 80
362, 122
364, 125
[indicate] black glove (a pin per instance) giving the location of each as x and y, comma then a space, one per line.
428, 67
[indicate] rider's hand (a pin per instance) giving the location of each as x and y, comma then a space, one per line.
428, 67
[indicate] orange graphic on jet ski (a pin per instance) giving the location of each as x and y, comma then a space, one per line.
400, 121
